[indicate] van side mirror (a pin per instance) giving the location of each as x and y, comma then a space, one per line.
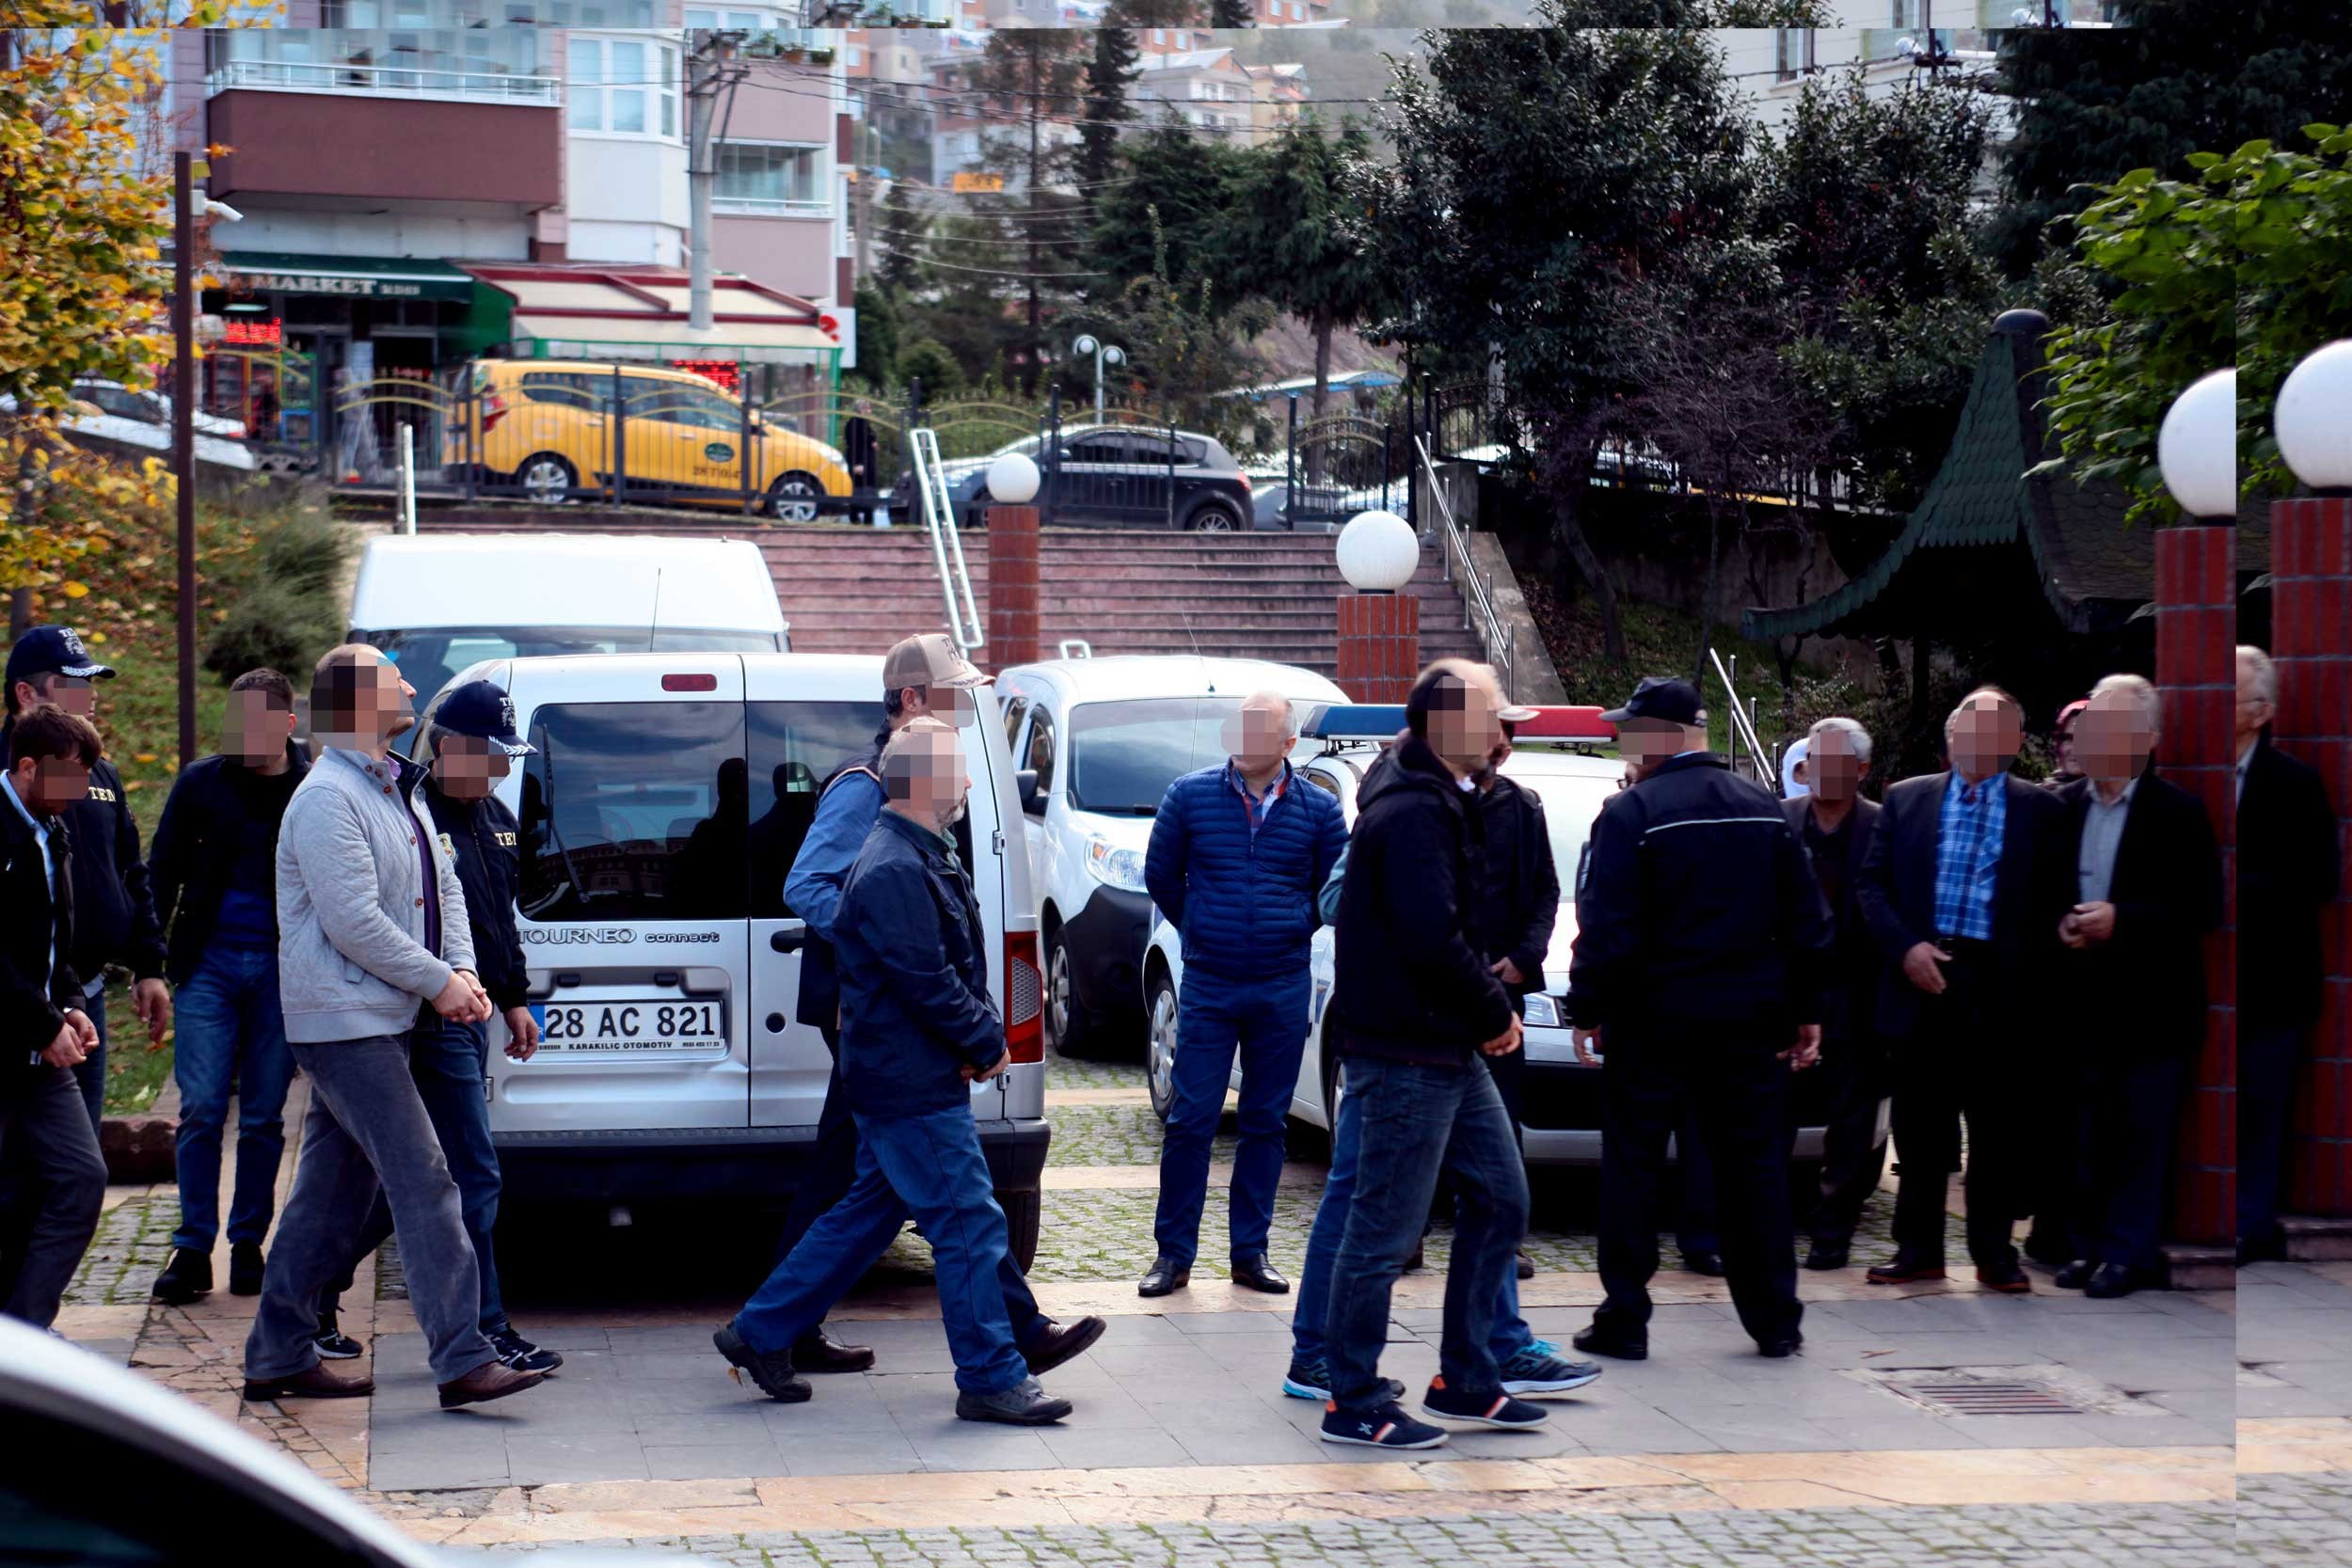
1031, 801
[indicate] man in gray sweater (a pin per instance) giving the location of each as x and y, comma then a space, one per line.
372, 940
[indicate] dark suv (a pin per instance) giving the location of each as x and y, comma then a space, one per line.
1116, 476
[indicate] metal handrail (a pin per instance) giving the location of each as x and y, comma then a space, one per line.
1478, 611
403, 81
1742, 723
939, 520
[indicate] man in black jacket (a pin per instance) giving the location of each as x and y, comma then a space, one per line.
215, 864
43, 1028
1414, 1001
2148, 890
1834, 823
2289, 869
1967, 877
1701, 956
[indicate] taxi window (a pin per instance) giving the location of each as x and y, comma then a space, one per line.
635, 811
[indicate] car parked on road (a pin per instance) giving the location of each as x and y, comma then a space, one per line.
1098, 741
138, 425
1114, 476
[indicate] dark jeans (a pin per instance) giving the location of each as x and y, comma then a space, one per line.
1697, 1228
1737, 1093
1943, 1071
89, 1073
1852, 1158
826, 1178
21, 1177
230, 1038
2266, 1063
931, 1164
45, 1134
2130, 1111
1266, 1021
1418, 1120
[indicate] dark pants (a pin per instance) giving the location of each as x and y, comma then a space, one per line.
1418, 1120
2131, 1108
1265, 1021
21, 1178
1737, 1096
45, 1134
231, 1040
1852, 1158
1697, 1225
831, 1168
2267, 1059
1952, 1067
89, 1073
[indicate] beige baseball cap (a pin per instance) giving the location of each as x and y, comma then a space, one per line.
927, 660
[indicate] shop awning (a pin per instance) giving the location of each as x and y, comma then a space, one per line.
643, 313
349, 276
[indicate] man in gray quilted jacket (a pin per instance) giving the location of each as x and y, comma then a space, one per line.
372, 941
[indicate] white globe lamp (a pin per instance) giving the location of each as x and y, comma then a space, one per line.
2197, 448
2314, 419
1013, 478
1378, 552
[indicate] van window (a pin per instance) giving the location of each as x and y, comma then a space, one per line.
635, 811
1042, 750
793, 747
1016, 709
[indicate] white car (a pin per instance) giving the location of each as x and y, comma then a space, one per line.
1098, 741
138, 421
200, 1492
1563, 1102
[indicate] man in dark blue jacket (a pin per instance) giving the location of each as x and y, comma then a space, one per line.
918, 1029
1238, 853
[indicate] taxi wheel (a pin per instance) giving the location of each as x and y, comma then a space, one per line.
545, 478
1023, 1212
1070, 1028
793, 498
1159, 1047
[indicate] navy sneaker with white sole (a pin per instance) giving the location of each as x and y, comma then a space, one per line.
1540, 1369
1311, 1380
1379, 1426
1497, 1409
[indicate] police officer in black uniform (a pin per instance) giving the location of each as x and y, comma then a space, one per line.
1701, 954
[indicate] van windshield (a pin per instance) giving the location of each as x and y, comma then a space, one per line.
1124, 755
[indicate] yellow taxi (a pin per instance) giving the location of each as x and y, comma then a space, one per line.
545, 427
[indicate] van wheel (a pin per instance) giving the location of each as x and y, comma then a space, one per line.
1070, 1028
1212, 518
1159, 1047
1023, 1212
545, 478
793, 498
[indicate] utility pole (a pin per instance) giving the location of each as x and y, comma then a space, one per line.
862, 183
1037, 333
710, 65
184, 430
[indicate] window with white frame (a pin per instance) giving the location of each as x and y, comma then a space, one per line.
622, 87
773, 178
758, 20
500, 64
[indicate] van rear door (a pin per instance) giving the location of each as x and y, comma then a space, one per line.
633, 895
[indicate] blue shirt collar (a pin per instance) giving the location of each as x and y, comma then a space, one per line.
7, 782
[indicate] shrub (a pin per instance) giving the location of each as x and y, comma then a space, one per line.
282, 596
929, 360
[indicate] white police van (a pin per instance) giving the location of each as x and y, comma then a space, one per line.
666, 800
1104, 738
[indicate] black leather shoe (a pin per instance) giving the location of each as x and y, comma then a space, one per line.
820, 1351
186, 1276
2007, 1278
1829, 1255
1905, 1267
1527, 1267
1600, 1341
769, 1371
2042, 1249
1167, 1275
246, 1269
1780, 1350
2075, 1274
1709, 1263
1061, 1343
1256, 1272
2112, 1281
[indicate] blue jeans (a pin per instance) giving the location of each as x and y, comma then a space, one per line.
1416, 1120
1266, 1019
231, 1038
928, 1164
89, 1073
1511, 1333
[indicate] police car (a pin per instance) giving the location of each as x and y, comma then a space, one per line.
1558, 756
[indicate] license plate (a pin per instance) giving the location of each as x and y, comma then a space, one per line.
623, 1026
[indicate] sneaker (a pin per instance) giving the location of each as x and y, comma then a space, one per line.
521, 1354
1025, 1404
1381, 1426
770, 1370
1311, 1380
1539, 1369
1484, 1410
333, 1343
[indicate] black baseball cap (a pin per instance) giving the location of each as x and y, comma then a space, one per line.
53, 651
484, 710
1661, 699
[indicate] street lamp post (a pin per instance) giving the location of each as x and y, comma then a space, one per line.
1104, 353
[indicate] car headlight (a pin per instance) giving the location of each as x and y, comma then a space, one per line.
1117, 867
1543, 1012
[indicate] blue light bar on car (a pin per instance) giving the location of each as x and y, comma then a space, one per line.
1354, 722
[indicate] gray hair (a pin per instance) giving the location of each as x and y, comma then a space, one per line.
2266, 674
1289, 710
2142, 692
1857, 738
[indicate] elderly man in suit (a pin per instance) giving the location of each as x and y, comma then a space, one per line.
1835, 825
2148, 877
1969, 874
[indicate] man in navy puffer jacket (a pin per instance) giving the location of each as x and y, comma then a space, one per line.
1238, 852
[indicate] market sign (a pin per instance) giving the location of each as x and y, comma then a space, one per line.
348, 277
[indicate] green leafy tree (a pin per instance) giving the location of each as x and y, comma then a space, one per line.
1176, 192
1034, 80
1184, 343
1688, 13
2242, 265
932, 363
1296, 237
1232, 13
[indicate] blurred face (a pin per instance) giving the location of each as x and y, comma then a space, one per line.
1259, 736
1463, 729
468, 766
2070, 759
950, 704
1832, 771
2113, 737
49, 784
371, 702
256, 733
928, 779
1647, 742
2253, 713
1495, 759
1984, 735
75, 695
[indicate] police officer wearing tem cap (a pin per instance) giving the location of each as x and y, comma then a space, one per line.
1701, 954
471, 743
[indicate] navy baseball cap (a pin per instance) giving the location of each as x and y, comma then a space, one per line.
484, 710
53, 651
1661, 699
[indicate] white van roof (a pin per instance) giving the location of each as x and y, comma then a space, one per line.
407, 581
1127, 675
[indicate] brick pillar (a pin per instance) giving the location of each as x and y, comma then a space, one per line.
2197, 673
2311, 617
1012, 592
1379, 645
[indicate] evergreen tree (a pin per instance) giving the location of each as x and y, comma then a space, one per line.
905, 230
1176, 190
1109, 71
1232, 13
1295, 235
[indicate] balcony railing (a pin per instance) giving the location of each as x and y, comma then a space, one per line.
771, 206
491, 85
